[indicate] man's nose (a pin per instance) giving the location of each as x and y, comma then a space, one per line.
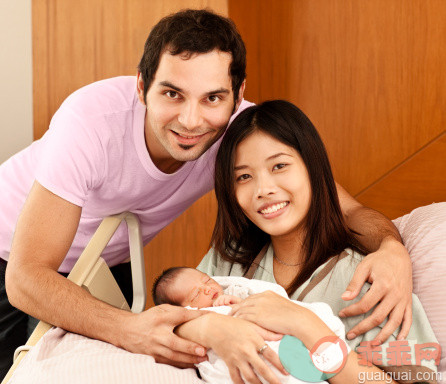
190, 116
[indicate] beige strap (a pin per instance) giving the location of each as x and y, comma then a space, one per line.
87, 261
321, 275
254, 265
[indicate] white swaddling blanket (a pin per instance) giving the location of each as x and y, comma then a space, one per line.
215, 370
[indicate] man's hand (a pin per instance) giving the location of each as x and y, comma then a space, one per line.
152, 333
389, 270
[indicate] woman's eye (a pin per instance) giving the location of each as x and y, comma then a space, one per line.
279, 166
243, 177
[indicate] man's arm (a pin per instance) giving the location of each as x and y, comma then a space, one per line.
43, 236
388, 268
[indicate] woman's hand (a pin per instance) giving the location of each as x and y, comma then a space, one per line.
270, 311
237, 342
278, 314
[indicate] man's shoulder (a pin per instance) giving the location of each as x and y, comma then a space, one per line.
243, 105
103, 97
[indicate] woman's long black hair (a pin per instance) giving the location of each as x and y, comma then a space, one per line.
235, 237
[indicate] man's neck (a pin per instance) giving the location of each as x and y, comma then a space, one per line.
163, 161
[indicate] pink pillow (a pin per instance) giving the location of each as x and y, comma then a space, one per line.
424, 235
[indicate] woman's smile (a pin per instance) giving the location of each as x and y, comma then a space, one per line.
272, 210
272, 185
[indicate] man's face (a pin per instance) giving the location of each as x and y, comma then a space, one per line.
189, 104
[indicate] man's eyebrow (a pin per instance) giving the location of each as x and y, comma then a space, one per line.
237, 168
219, 90
170, 85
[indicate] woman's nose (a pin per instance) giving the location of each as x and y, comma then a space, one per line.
265, 186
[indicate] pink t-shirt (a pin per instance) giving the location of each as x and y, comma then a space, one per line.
94, 155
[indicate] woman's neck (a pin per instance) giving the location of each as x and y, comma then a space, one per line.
289, 248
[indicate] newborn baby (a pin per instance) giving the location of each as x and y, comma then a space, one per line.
188, 287
191, 288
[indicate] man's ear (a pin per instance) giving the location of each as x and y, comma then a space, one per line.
140, 88
241, 91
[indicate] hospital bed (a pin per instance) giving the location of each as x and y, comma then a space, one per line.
423, 232
92, 273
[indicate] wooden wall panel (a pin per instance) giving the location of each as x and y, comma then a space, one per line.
369, 74
79, 42
405, 186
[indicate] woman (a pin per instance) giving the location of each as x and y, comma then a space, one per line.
278, 212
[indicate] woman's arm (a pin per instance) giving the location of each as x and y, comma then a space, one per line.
281, 315
236, 341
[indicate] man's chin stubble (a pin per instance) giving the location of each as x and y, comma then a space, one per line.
185, 147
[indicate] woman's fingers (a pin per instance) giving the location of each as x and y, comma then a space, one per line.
248, 374
256, 368
273, 358
235, 375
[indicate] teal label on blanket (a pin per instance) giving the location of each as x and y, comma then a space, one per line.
297, 360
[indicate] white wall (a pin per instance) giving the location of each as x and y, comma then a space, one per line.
16, 119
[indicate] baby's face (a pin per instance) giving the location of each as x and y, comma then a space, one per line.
196, 289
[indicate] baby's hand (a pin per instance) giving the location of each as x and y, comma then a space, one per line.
226, 300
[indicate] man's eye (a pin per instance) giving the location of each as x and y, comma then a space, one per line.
279, 166
213, 98
243, 177
171, 94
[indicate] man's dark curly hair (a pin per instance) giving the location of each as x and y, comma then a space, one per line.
194, 31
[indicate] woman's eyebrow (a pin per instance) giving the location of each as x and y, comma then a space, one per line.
278, 155
238, 167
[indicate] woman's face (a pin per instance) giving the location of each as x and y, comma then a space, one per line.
271, 184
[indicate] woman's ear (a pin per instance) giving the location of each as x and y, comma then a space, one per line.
140, 88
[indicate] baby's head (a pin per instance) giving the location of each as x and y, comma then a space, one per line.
185, 286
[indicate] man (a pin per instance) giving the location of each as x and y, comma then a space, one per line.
146, 146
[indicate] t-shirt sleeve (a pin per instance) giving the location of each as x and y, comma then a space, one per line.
70, 158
